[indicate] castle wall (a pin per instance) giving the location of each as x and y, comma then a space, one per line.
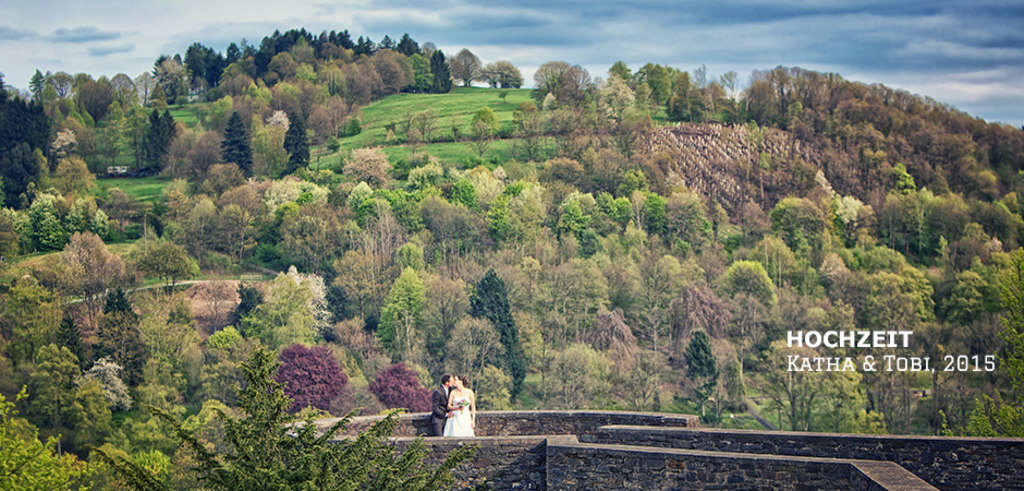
945, 462
574, 466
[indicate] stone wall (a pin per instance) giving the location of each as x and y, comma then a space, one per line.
501, 462
945, 462
504, 423
574, 466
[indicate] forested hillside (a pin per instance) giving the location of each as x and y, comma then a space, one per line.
640, 239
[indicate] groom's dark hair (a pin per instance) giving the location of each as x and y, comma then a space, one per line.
445, 378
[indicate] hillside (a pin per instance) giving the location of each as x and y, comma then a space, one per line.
642, 243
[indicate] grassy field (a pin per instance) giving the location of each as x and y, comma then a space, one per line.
143, 189
453, 109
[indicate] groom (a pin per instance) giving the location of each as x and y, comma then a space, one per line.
439, 404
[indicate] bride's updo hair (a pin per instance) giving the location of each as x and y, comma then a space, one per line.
465, 381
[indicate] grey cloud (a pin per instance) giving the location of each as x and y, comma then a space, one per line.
11, 34
109, 50
82, 34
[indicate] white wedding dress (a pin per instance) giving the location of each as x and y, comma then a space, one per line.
461, 422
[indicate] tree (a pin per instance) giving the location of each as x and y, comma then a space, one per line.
502, 74
397, 386
368, 164
296, 143
88, 269
263, 450
120, 339
236, 146
20, 169
157, 140
285, 316
442, 83
169, 261
310, 377
29, 320
490, 301
27, 463
407, 46
472, 345
466, 67
702, 368
402, 316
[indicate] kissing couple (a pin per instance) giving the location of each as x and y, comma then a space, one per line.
453, 407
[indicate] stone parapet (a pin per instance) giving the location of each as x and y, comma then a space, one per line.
945, 462
575, 466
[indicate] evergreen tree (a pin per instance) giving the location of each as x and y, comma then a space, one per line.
250, 299
490, 301
36, 86
120, 338
69, 337
19, 168
157, 140
702, 367
296, 144
236, 146
442, 76
407, 46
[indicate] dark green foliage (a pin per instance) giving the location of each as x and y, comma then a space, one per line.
205, 65
236, 146
296, 143
266, 450
407, 46
20, 170
69, 337
117, 301
442, 76
701, 367
490, 301
250, 299
157, 140
119, 337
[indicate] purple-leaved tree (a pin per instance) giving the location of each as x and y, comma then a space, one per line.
312, 376
397, 386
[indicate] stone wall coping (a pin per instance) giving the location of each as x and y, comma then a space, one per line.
489, 440
887, 474
814, 435
685, 418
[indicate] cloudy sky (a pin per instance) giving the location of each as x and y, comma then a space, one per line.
969, 54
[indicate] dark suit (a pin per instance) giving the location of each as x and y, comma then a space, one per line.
439, 410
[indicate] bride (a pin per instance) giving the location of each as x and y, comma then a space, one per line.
462, 404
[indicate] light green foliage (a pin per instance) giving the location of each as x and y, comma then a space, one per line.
580, 377
411, 256
401, 316
751, 278
31, 316
486, 116
45, 214
285, 317
27, 463
471, 346
492, 389
168, 261
292, 190
224, 338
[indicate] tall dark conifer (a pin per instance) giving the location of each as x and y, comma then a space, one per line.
236, 146
157, 141
490, 301
442, 76
296, 143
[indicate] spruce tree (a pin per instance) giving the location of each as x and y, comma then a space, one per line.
442, 76
236, 146
69, 337
702, 367
157, 140
296, 144
490, 301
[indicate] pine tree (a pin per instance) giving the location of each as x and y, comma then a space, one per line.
296, 143
69, 337
36, 85
157, 140
250, 299
442, 76
702, 367
490, 301
236, 146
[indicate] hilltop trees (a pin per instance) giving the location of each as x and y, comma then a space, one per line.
442, 83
